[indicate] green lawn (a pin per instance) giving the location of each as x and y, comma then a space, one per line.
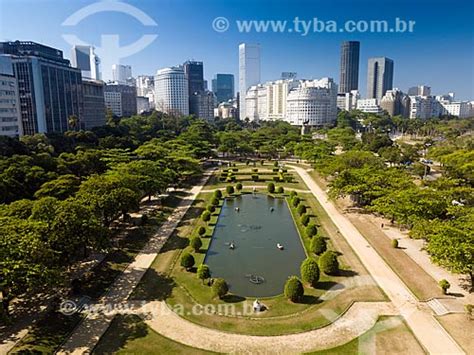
130, 335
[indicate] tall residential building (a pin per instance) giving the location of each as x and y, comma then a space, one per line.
420, 90
395, 103
450, 107
424, 107
10, 120
94, 103
171, 91
84, 58
202, 105
249, 71
223, 87
313, 103
121, 74
121, 99
50, 90
349, 71
379, 77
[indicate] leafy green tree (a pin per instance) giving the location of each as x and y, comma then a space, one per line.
280, 190
61, 188
201, 231
219, 288
304, 219
238, 187
310, 271
271, 187
295, 201
294, 290
215, 201
217, 194
311, 230
206, 216
328, 263
445, 285
318, 245
211, 208
196, 244
394, 243
229, 189
203, 272
301, 209
187, 261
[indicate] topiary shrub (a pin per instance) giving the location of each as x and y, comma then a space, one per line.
238, 187
294, 290
219, 288
211, 208
445, 285
262, 162
395, 243
293, 194
310, 271
196, 244
310, 230
275, 170
255, 170
255, 177
295, 201
235, 170
304, 220
187, 261
318, 245
301, 209
328, 263
276, 178
201, 231
203, 272
271, 187
215, 201
275, 164
206, 216
280, 190
218, 194
229, 189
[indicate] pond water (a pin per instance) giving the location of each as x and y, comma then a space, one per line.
255, 266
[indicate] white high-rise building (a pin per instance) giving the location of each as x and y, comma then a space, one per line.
10, 119
313, 103
171, 91
424, 107
451, 107
84, 58
146, 87
121, 74
249, 72
348, 101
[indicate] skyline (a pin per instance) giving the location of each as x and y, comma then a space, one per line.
418, 57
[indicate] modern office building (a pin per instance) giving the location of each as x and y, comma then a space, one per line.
313, 103
249, 72
84, 58
122, 74
121, 99
194, 72
349, 71
395, 103
94, 103
379, 77
10, 119
171, 91
50, 90
223, 87
369, 106
202, 105
420, 90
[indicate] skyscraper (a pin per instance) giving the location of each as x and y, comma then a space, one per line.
223, 87
421, 90
10, 121
121, 73
349, 75
194, 72
379, 77
84, 58
50, 90
249, 71
171, 91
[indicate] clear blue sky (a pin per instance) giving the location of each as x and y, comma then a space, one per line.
440, 52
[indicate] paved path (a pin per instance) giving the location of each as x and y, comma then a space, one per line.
87, 334
360, 317
418, 316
